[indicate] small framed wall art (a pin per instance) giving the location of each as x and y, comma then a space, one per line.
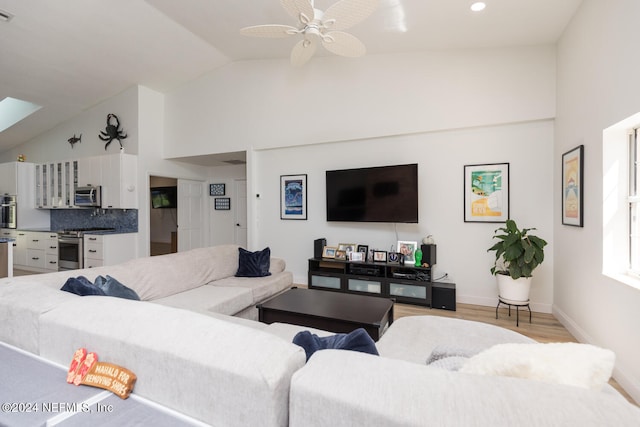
216, 189
572, 186
486, 192
293, 196
222, 203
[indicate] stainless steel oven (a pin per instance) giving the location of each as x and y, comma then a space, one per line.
8, 211
70, 251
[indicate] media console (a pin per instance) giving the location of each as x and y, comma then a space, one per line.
405, 283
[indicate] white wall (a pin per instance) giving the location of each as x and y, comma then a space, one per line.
598, 86
268, 104
378, 110
222, 224
441, 157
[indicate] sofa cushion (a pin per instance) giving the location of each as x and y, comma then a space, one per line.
344, 388
210, 299
216, 371
413, 338
160, 276
20, 309
261, 287
569, 363
253, 264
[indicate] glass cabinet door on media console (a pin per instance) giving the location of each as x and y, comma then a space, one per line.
404, 283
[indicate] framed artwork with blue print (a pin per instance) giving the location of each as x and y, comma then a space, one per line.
293, 196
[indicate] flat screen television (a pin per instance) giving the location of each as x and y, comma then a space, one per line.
377, 194
164, 197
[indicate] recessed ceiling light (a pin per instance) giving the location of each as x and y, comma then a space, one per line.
5, 16
478, 6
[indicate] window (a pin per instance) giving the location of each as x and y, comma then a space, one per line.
634, 203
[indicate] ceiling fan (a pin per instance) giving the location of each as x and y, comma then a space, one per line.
318, 27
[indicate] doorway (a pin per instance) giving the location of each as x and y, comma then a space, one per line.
163, 215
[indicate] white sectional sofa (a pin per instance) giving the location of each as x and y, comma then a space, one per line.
191, 355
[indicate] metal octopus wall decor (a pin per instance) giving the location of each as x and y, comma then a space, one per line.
112, 131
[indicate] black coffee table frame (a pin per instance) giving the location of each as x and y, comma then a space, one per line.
329, 311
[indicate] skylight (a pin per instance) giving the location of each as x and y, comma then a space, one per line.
13, 110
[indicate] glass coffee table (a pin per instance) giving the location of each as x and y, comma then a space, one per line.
330, 311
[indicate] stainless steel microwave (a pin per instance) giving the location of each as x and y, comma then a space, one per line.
88, 196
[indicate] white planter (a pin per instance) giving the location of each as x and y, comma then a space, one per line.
514, 290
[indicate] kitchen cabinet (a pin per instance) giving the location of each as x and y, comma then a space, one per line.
108, 249
55, 184
90, 171
119, 174
9, 178
36, 251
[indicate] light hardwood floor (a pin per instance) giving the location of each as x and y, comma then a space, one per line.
543, 327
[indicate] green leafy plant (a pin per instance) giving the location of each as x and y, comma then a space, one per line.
517, 252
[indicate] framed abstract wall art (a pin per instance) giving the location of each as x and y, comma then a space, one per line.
293, 196
486, 192
573, 187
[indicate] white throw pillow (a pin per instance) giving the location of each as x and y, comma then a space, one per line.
580, 365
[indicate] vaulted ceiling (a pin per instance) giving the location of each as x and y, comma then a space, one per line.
69, 55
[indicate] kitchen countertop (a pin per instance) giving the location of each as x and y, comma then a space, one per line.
7, 239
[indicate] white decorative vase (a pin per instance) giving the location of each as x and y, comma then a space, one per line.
514, 290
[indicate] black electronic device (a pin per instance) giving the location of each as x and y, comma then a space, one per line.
368, 271
443, 295
164, 197
376, 194
318, 246
428, 254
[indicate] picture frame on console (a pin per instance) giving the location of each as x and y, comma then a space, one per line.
486, 192
357, 256
347, 247
408, 250
363, 248
293, 196
329, 252
341, 255
379, 256
394, 257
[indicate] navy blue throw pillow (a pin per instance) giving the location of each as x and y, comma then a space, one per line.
111, 287
358, 340
254, 264
81, 286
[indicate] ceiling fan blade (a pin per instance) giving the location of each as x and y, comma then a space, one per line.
343, 44
271, 31
348, 13
303, 51
296, 7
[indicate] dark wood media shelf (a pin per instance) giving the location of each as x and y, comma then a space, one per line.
405, 283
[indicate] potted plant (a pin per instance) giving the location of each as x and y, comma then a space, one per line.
518, 253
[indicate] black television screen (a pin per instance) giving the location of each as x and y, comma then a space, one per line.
164, 197
377, 194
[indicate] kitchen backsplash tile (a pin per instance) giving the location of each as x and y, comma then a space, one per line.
123, 220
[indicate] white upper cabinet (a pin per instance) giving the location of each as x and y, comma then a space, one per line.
9, 178
119, 181
90, 171
55, 184
116, 173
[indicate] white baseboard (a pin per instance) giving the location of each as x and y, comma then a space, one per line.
620, 372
